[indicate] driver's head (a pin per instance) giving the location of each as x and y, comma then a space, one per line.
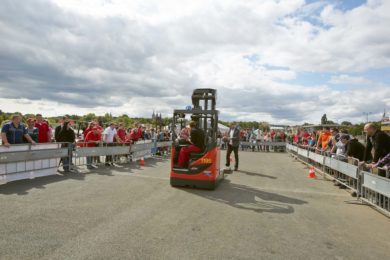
232, 125
192, 124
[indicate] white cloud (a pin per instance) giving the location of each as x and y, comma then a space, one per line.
135, 56
350, 80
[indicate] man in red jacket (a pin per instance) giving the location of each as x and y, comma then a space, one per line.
121, 132
91, 140
138, 135
43, 129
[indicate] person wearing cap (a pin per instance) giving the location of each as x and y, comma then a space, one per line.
13, 132
353, 147
339, 148
43, 128
32, 131
89, 128
91, 140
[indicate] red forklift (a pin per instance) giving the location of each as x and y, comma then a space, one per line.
203, 170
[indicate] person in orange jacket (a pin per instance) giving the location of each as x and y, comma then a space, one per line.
324, 138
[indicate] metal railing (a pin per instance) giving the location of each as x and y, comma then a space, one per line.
349, 172
259, 146
28, 161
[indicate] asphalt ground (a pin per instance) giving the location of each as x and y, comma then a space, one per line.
267, 210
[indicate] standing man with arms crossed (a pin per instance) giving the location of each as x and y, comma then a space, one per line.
13, 132
233, 138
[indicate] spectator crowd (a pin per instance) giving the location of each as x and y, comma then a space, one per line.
256, 139
94, 133
38, 130
373, 152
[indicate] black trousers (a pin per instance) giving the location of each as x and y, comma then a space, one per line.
231, 149
109, 157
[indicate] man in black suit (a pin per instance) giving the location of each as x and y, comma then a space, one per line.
59, 128
66, 136
378, 140
233, 140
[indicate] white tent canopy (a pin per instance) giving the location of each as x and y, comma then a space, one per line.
222, 128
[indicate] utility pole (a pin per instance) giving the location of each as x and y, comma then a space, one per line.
366, 114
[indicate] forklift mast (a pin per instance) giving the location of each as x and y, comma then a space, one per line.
205, 99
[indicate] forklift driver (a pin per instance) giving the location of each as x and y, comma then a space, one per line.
196, 144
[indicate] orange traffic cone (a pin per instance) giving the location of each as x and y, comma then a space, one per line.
142, 162
312, 173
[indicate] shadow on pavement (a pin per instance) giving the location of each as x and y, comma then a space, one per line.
127, 167
257, 174
22, 187
244, 197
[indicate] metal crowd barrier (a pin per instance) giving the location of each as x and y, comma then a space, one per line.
375, 190
264, 146
28, 161
370, 188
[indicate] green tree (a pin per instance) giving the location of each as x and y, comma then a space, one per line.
264, 126
346, 123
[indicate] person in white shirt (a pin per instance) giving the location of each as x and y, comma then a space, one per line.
259, 139
109, 135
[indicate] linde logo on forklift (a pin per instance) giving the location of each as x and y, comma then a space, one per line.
199, 169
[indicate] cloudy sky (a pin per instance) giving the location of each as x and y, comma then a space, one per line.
271, 60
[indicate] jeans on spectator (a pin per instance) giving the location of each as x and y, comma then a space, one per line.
259, 147
109, 157
66, 161
89, 160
